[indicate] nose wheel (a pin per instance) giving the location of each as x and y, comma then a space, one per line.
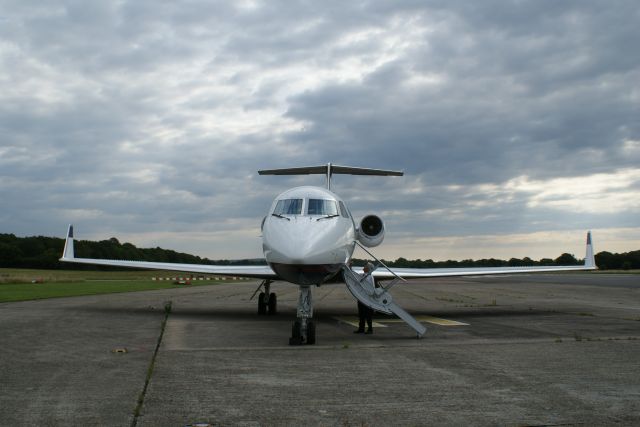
311, 332
303, 330
303, 335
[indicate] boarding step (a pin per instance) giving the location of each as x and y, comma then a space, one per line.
362, 287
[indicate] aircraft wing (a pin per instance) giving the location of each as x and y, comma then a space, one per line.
254, 271
415, 273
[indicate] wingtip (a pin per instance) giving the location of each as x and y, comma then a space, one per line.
589, 260
68, 252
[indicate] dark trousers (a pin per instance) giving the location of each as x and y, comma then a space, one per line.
364, 314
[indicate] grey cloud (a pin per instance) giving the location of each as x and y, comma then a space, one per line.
486, 112
115, 112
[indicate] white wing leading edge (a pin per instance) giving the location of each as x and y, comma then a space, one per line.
265, 272
415, 273
255, 271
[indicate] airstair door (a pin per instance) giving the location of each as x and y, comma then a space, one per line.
363, 288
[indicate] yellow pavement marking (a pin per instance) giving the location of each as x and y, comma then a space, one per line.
435, 321
443, 322
429, 319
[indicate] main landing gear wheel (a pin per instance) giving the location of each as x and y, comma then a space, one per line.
262, 305
267, 301
272, 304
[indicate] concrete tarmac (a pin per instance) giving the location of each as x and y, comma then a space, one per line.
559, 349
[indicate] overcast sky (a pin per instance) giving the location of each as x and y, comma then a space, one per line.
517, 123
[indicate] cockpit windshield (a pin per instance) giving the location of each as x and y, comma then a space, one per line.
288, 207
322, 207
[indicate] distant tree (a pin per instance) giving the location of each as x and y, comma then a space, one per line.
515, 262
634, 258
31, 246
606, 260
10, 255
566, 259
491, 262
401, 263
428, 263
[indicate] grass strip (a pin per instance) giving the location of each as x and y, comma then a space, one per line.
143, 393
31, 291
25, 275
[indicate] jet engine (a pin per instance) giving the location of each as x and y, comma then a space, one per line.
371, 231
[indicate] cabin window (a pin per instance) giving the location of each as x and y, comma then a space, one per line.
288, 207
343, 210
322, 207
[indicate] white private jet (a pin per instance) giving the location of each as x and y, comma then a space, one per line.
308, 238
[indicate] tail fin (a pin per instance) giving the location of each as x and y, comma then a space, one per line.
68, 245
589, 259
330, 170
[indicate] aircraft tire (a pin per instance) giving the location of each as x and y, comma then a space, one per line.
262, 307
273, 304
311, 332
296, 336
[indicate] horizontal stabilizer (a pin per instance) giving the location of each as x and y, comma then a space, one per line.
329, 170
333, 170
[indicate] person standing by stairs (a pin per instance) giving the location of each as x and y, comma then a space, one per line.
365, 314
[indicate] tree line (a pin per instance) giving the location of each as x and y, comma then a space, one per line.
44, 252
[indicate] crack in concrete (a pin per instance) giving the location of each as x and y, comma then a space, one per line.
138, 409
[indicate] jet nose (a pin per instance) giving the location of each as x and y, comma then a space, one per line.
293, 248
303, 240
299, 250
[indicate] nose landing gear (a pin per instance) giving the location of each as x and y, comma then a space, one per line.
303, 330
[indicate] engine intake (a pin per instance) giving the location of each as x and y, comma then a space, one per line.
371, 231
